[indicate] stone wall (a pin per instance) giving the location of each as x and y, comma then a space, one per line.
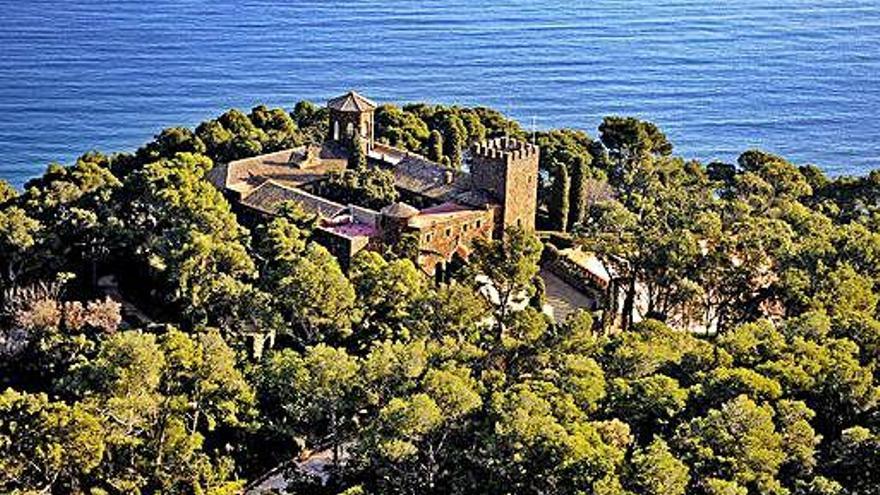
343, 248
362, 122
509, 169
439, 242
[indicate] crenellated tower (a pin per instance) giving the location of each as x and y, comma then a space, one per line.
508, 168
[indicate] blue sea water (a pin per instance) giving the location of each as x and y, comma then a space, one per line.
797, 77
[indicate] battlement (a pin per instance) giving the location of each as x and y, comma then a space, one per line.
504, 148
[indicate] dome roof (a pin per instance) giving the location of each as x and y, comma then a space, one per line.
400, 210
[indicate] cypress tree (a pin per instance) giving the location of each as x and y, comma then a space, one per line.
357, 159
559, 204
435, 146
577, 201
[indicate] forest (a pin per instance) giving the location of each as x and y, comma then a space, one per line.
155, 384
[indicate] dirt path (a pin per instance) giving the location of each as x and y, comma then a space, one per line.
563, 298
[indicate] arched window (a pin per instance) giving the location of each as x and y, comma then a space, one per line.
349, 130
336, 130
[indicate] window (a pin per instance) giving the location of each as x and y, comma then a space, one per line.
448, 232
349, 129
336, 131
519, 222
465, 227
428, 237
479, 223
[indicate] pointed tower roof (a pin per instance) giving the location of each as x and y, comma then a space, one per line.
351, 102
400, 210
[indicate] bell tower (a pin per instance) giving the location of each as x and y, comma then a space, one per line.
349, 114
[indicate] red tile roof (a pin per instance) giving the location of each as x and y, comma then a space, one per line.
400, 210
293, 167
350, 229
269, 196
445, 212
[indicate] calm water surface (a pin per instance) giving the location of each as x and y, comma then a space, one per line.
798, 77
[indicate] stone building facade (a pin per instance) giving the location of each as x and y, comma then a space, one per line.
509, 169
442, 211
445, 234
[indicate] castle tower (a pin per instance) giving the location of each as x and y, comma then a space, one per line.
508, 169
351, 113
394, 220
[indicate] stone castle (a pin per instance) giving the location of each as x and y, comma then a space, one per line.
441, 210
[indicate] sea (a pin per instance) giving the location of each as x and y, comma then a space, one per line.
796, 77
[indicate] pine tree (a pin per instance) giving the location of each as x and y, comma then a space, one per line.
455, 139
